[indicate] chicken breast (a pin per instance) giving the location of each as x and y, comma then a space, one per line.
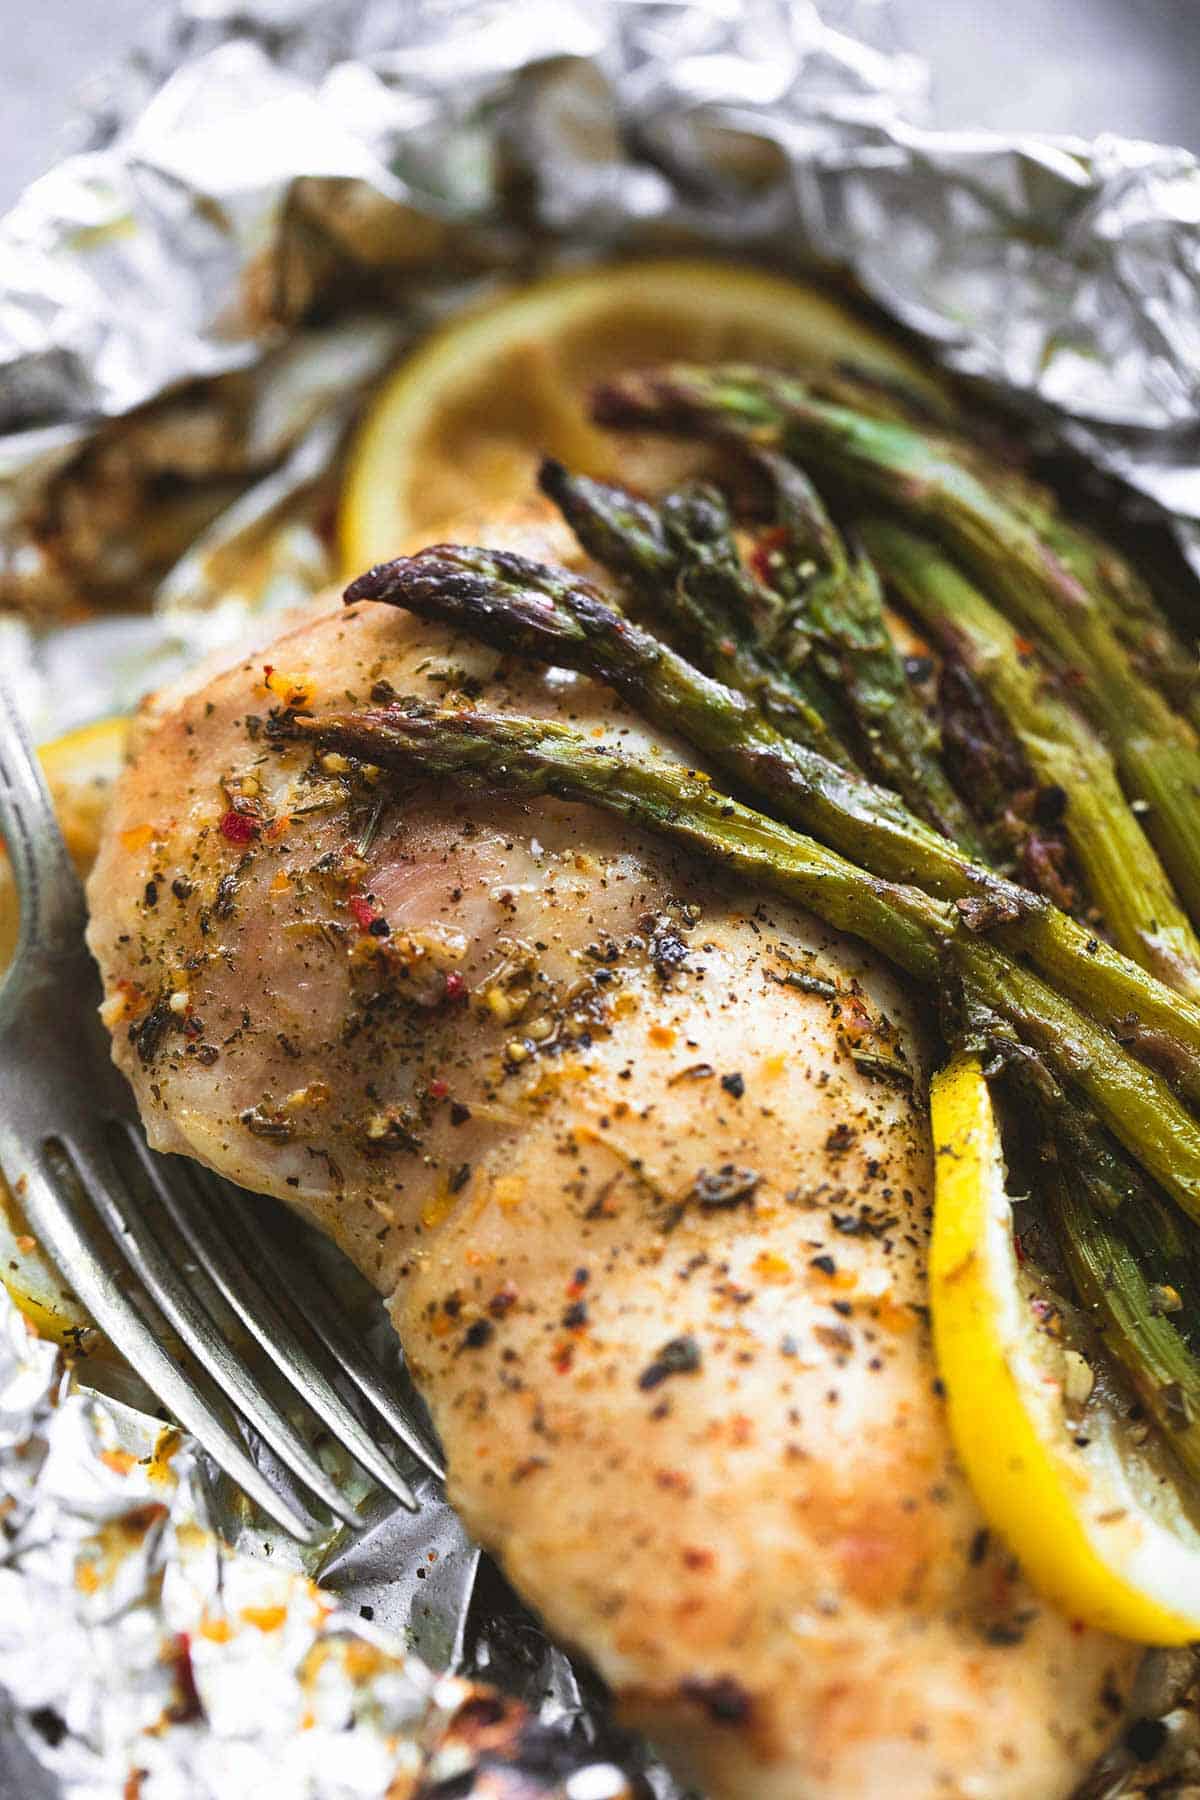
641, 1163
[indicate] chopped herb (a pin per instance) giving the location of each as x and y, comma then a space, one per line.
267, 1124
807, 984
725, 1187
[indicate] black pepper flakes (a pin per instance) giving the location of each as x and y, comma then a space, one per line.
724, 1700
225, 897
478, 1334
678, 1356
148, 1034
734, 1085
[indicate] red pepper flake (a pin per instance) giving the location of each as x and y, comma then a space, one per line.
456, 987
438, 1089
239, 827
187, 1704
365, 911
765, 551
1024, 646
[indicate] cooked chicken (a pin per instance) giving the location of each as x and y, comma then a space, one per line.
613, 1141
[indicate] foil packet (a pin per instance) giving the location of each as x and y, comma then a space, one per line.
269, 201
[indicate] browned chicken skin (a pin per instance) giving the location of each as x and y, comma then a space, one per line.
612, 1140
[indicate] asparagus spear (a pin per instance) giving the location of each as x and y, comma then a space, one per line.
683, 556
691, 579
1123, 1250
1165, 1244
522, 606
922, 935
840, 605
1111, 1286
1127, 600
927, 480
1126, 879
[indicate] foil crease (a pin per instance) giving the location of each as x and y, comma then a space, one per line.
266, 204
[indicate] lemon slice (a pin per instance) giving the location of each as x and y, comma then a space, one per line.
463, 422
80, 769
1098, 1523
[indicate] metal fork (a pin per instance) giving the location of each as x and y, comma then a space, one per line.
152, 1245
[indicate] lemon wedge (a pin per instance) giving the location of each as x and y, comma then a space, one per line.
80, 769
1098, 1522
462, 424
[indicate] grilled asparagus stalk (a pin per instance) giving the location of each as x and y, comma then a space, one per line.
1127, 600
928, 481
1129, 1265
524, 607
923, 936
1127, 881
683, 565
829, 625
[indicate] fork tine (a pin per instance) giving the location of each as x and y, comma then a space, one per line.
266, 1322
51, 893
125, 1215
53, 1218
347, 1352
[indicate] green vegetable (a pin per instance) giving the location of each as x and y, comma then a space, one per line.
930, 481
1127, 881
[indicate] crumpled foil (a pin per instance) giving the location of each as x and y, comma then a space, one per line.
144, 1657
269, 202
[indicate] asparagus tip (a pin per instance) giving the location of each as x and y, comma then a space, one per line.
371, 583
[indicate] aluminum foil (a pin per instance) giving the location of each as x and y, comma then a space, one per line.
268, 203
141, 1655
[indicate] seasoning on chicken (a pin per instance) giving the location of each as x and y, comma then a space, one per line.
612, 1139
